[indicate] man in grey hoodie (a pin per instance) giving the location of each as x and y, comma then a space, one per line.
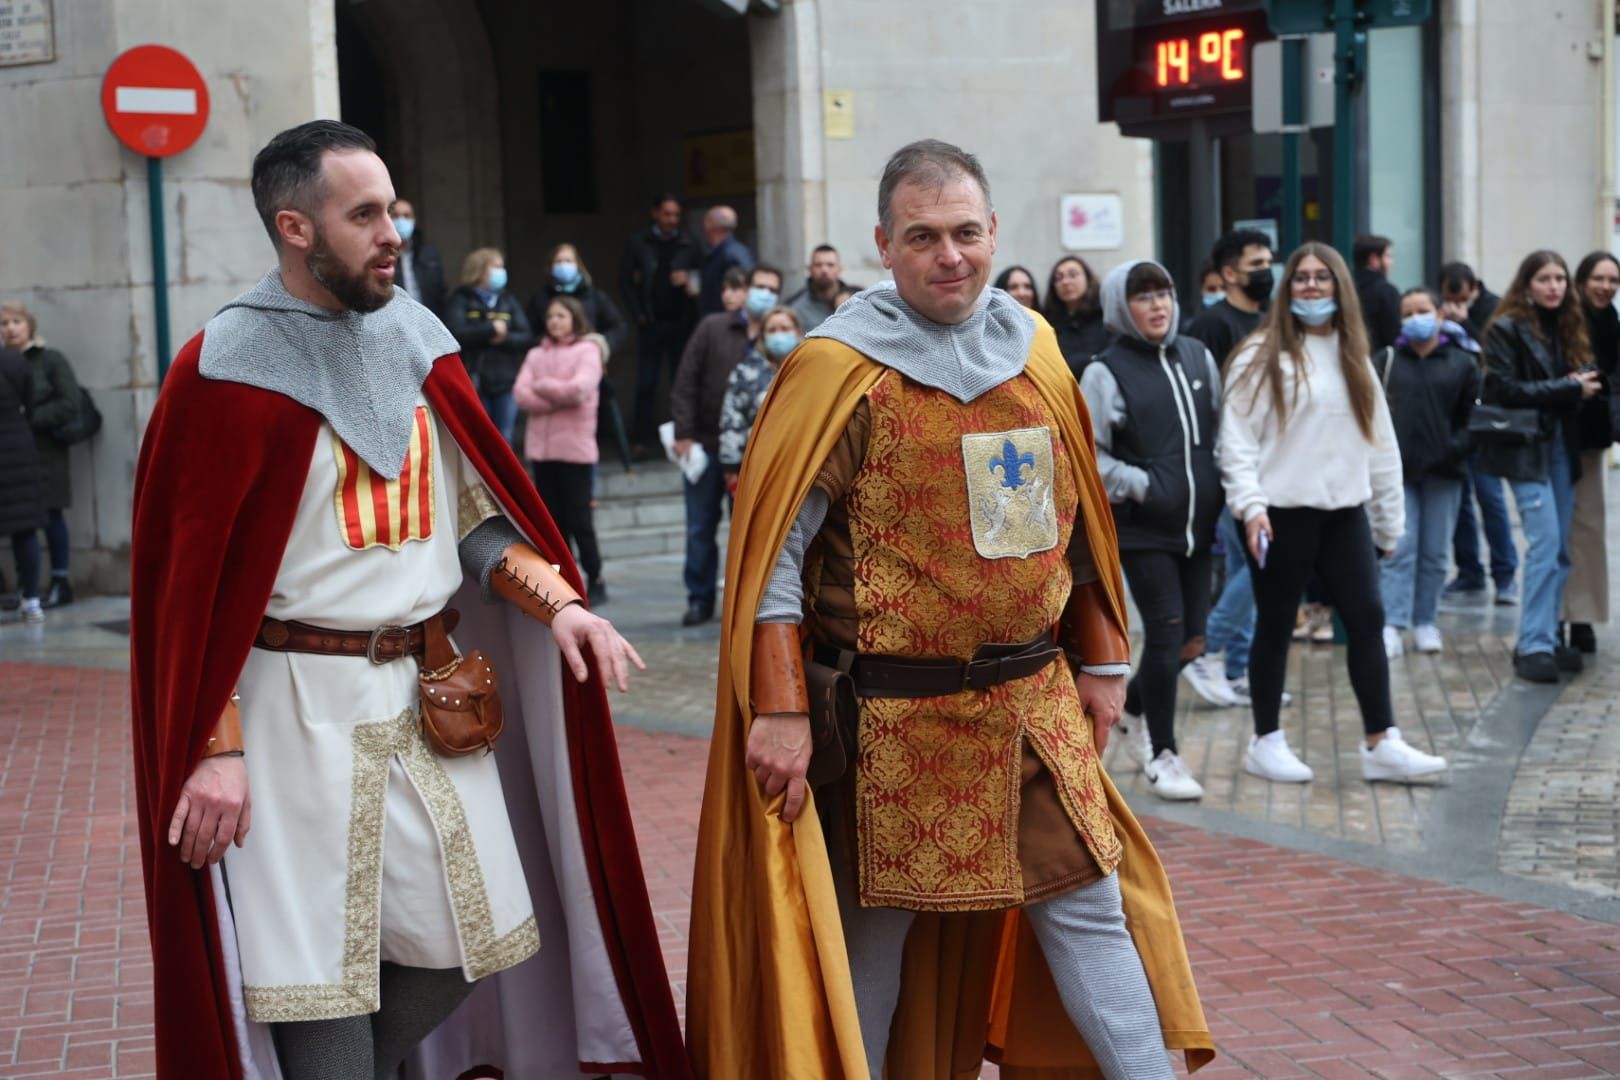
1155, 403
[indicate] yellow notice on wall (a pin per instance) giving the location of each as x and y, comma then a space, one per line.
838, 113
720, 163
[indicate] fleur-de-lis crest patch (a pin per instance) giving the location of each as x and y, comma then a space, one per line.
1009, 483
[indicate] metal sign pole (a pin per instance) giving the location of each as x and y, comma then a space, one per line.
1293, 109
160, 267
1346, 53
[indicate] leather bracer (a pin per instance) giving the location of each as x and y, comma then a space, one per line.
524, 579
776, 672
1088, 632
227, 736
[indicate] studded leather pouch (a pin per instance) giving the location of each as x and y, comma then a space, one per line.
461, 702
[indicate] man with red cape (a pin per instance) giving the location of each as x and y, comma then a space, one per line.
319, 501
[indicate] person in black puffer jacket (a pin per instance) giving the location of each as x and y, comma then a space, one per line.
493, 331
1431, 378
569, 277
22, 496
1154, 398
1538, 357
1586, 596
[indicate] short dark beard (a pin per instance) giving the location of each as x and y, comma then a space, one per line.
354, 291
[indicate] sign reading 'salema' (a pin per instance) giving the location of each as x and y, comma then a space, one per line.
26, 32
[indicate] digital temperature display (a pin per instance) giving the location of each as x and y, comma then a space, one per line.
1211, 58
1162, 62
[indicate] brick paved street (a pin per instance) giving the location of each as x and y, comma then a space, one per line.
1309, 965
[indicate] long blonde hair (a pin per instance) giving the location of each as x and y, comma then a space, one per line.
1281, 333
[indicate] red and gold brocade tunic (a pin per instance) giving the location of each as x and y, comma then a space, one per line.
952, 526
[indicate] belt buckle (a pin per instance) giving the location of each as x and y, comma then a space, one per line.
990, 665
377, 637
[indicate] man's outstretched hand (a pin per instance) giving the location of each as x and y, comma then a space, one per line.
1102, 697
577, 630
215, 809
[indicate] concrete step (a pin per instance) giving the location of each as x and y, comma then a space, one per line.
648, 479
639, 541
663, 511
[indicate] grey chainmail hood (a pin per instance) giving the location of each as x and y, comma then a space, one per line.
1117, 306
362, 372
964, 360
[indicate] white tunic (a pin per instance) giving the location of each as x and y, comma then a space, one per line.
365, 845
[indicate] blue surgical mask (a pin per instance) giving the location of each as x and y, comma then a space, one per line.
497, 278
1318, 312
565, 274
1213, 298
760, 300
780, 343
405, 227
1420, 327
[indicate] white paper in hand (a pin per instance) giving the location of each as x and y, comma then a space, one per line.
696, 460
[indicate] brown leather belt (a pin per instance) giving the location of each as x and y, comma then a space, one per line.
380, 646
915, 677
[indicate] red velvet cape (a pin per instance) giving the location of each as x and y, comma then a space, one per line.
217, 486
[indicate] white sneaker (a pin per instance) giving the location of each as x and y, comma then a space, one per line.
1167, 775
1138, 743
1240, 691
1426, 639
1322, 625
1272, 758
1393, 646
1207, 676
1396, 759
31, 611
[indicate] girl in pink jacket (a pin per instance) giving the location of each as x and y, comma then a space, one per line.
557, 387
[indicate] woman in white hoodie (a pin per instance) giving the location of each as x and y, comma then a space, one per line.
1312, 470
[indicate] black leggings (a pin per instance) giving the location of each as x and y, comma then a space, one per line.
565, 488
1337, 547
1172, 596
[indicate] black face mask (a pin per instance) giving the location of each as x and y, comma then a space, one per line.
1258, 287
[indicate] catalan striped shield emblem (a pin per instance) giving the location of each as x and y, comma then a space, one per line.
373, 511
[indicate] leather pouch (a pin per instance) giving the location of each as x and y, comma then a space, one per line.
461, 702
834, 721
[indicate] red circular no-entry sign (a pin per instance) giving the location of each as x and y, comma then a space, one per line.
155, 101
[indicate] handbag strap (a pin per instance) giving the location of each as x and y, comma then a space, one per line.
1389, 362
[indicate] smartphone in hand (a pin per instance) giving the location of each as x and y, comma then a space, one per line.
1264, 544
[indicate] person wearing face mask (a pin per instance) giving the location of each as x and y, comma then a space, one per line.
719, 343
1155, 398
570, 277
1586, 596
421, 270
1243, 260
1313, 473
494, 333
780, 334
1538, 358
1431, 378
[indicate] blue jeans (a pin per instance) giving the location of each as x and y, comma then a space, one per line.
703, 501
1498, 532
1231, 623
25, 549
1546, 510
1411, 578
502, 410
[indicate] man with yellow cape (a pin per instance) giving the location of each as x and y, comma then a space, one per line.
920, 508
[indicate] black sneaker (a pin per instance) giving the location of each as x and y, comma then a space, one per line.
1459, 587
60, 593
1536, 667
596, 593
1568, 658
697, 614
1583, 637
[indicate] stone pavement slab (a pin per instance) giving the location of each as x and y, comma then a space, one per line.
1310, 966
